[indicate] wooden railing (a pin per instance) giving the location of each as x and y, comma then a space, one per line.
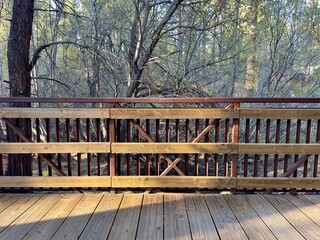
229, 143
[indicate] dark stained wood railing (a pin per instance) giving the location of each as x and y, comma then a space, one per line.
215, 143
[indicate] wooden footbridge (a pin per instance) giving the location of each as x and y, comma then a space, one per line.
199, 147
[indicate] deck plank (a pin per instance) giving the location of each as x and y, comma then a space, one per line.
176, 224
126, 222
100, 223
272, 218
78, 218
298, 219
306, 206
201, 223
11, 213
158, 216
314, 198
8, 199
151, 218
22, 225
248, 218
224, 218
54, 218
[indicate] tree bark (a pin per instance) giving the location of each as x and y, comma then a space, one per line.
20, 71
18, 49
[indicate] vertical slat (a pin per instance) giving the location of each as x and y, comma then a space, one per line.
286, 156
29, 159
107, 126
1, 165
88, 127
177, 133
256, 156
112, 138
316, 157
157, 140
206, 156
266, 156
167, 136
235, 139
128, 155
48, 139
227, 140
216, 139
38, 140
19, 155
78, 140
98, 127
246, 140
138, 155
68, 129
276, 156
10, 166
186, 161
147, 155
119, 138
196, 156
58, 140
308, 133
298, 134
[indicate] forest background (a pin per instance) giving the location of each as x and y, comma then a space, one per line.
160, 48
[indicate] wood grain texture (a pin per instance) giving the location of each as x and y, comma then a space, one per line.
24, 223
54, 113
172, 113
172, 181
279, 182
73, 147
49, 224
56, 181
297, 219
78, 218
100, 223
176, 223
8, 199
224, 218
16, 209
271, 148
279, 226
201, 224
306, 206
151, 218
126, 222
153, 148
252, 224
280, 113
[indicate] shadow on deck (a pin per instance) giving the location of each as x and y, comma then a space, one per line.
159, 216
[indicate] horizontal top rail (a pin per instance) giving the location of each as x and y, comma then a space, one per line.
157, 100
54, 113
159, 113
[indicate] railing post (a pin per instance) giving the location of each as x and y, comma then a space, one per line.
112, 139
235, 139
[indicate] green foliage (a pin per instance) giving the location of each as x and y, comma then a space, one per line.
205, 48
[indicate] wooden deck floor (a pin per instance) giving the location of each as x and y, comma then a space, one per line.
158, 216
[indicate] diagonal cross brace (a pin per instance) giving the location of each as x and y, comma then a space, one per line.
292, 168
173, 164
149, 139
24, 138
196, 140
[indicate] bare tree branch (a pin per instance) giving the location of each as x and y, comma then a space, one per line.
52, 79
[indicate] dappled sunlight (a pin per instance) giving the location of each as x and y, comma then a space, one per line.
157, 216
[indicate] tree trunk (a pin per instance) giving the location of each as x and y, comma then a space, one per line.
252, 70
20, 70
